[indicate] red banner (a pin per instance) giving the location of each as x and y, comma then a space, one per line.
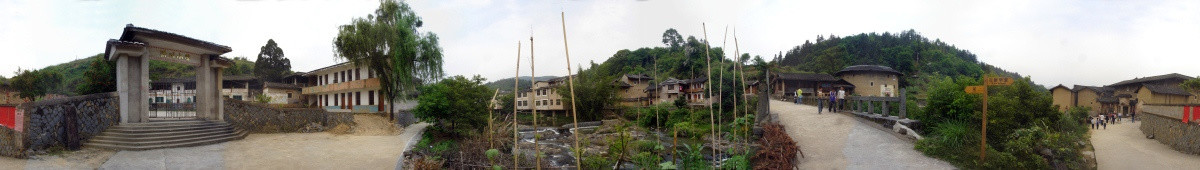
1195, 112
8, 116
1186, 114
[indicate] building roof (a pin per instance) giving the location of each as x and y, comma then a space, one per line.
1142, 80
325, 68
671, 81
807, 77
1107, 99
622, 84
639, 76
868, 68
1061, 86
1167, 89
193, 79
131, 31
1093, 88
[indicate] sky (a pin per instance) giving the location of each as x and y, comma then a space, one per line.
1053, 42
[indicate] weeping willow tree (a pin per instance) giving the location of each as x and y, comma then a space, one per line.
389, 44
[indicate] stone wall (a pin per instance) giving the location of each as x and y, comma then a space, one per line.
11, 143
1163, 122
259, 118
49, 123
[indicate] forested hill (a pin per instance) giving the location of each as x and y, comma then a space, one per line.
907, 52
72, 73
507, 83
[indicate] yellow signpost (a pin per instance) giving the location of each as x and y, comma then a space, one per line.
987, 81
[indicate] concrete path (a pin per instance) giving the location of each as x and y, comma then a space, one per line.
199, 157
1124, 146
413, 134
838, 141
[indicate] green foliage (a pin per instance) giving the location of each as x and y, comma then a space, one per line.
1191, 85
737, 162
35, 83
667, 165
271, 63
262, 98
646, 160
647, 146
240, 67
594, 91
693, 158
907, 52
1024, 130
596, 161
101, 76
388, 43
163, 69
506, 84
456, 105
492, 154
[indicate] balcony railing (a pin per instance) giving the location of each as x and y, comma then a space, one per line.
372, 83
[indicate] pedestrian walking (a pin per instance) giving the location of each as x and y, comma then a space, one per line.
841, 97
1102, 123
1132, 116
799, 96
1092, 121
820, 104
832, 101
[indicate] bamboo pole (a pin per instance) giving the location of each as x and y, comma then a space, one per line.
491, 145
708, 89
516, 91
571, 84
537, 150
720, 88
745, 101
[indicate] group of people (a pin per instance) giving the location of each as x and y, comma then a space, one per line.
835, 98
1101, 121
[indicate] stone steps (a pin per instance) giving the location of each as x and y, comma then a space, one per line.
166, 134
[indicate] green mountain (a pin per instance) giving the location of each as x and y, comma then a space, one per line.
72, 72
507, 83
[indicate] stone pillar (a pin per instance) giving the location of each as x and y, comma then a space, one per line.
885, 109
903, 104
144, 73
870, 106
125, 97
203, 88
220, 101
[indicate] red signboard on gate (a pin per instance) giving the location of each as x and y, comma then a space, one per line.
8, 116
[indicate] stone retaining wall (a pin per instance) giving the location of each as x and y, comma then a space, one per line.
259, 118
62, 122
1164, 124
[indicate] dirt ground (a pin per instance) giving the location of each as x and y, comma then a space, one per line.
1123, 146
372, 144
86, 158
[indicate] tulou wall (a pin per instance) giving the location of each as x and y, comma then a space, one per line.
260, 118
1165, 124
62, 122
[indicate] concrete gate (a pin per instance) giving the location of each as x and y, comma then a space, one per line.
137, 46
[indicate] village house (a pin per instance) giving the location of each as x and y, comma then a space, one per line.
344, 87
634, 90
669, 90
786, 84
693, 89
244, 88
1125, 96
545, 98
872, 80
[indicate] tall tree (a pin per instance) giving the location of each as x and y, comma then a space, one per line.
271, 64
672, 38
100, 77
241, 66
389, 43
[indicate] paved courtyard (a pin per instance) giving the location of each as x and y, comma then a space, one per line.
838, 141
1123, 146
364, 148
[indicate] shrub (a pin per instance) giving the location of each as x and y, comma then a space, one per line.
646, 160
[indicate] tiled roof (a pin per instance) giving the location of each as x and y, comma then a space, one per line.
639, 76
1167, 89
1107, 99
1093, 88
131, 30
807, 77
872, 68
1151, 78
622, 84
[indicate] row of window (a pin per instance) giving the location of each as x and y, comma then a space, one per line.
542, 92
343, 76
556, 102
347, 98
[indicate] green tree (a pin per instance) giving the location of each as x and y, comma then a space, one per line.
271, 64
241, 66
457, 105
35, 83
389, 43
595, 92
100, 77
672, 39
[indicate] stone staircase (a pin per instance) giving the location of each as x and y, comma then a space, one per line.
165, 134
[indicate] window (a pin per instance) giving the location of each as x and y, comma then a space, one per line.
237, 97
558, 101
356, 73
537, 103
289, 95
158, 99
357, 98
189, 99
370, 74
872, 84
370, 97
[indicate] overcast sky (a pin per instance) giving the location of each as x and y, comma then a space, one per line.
1054, 42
